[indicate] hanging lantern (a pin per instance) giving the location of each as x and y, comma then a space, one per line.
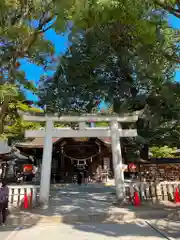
132, 166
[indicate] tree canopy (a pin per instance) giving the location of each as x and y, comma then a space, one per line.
125, 55
22, 25
123, 52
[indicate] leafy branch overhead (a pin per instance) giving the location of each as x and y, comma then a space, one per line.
22, 25
172, 6
124, 54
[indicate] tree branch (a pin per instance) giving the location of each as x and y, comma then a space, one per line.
174, 11
24, 49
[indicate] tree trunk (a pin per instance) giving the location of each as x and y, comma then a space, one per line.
3, 113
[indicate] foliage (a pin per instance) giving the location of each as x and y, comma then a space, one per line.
101, 124
171, 7
162, 152
125, 55
159, 121
22, 26
128, 65
14, 124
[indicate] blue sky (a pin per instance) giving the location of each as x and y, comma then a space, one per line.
61, 43
175, 22
34, 72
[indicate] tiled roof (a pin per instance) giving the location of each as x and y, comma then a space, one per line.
39, 142
34, 143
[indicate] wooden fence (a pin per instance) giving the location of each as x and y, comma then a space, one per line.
17, 193
150, 191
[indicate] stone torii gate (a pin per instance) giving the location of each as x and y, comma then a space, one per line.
114, 131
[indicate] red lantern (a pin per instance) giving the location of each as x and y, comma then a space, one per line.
27, 168
132, 166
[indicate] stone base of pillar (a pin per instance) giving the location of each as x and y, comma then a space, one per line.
43, 206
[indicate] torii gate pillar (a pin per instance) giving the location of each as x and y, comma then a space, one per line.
46, 165
117, 162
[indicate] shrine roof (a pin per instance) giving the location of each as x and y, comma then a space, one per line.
39, 142
34, 143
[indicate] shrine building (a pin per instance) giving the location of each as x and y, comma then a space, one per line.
70, 152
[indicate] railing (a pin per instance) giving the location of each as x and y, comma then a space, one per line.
17, 194
150, 191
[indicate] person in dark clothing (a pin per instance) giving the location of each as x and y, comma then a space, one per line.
4, 194
79, 178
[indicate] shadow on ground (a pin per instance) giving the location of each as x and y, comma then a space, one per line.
172, 228
91, 209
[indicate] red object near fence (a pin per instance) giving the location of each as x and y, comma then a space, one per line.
137, 201
26, 202
176, 196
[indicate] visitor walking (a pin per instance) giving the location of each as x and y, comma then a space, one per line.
4, 195
79, 178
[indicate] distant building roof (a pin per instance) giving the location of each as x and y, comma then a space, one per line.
35, 143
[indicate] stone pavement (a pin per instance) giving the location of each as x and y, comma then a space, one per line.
89, 200
87, 231
169, 227
86, 212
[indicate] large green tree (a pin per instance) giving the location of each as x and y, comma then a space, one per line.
124, 59
115, 61
22, 25
172, 8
